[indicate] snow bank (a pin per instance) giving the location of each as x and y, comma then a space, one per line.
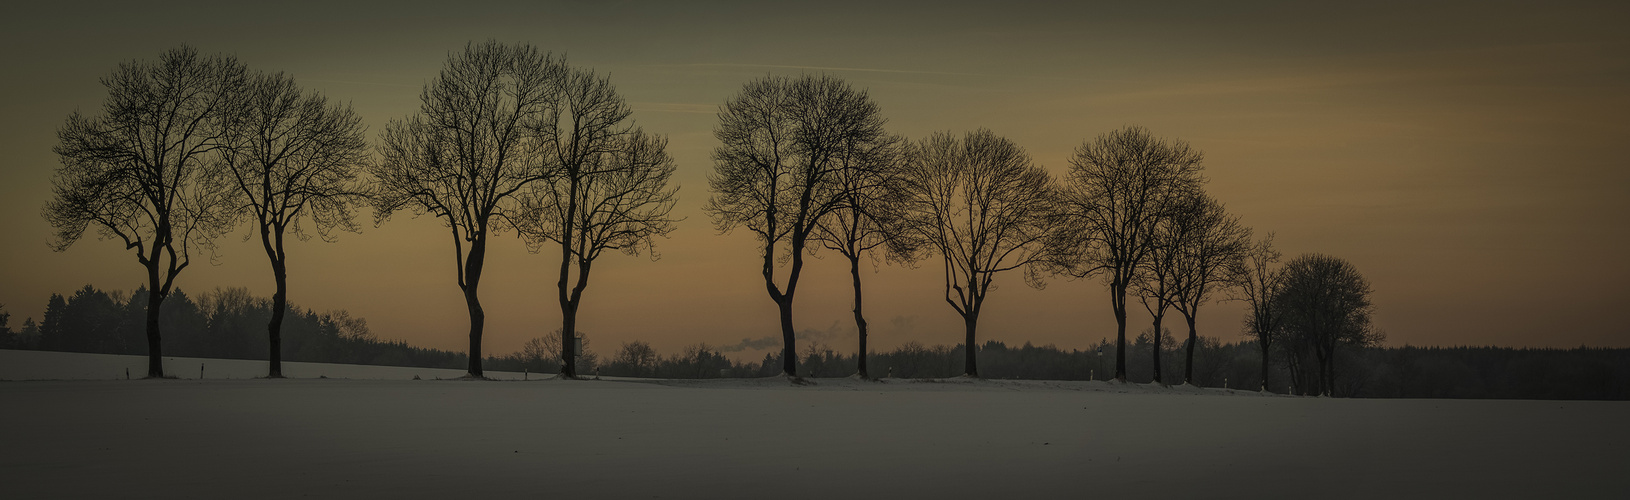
400, 438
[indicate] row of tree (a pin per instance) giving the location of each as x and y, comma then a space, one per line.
508, 138
805, 164
227, 323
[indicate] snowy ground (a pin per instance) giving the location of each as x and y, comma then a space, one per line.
379, 434
46, 365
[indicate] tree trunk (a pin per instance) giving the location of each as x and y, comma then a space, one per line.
478, 320
1118, 303
1293, 365
273, 243
478, 317
1320, 372
1157, 349
1330, 375
568, 307
569, 304
860, 319
789, 351
1265, 365
1188, 358
155, 300
971, 362
274, 328
1309, 385
568, 338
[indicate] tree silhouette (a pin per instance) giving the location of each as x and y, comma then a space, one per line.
783, 141
609, 188
555, 348
1121, 186
637, 356
468, 153
983, 206
1326, 306
865, 220
293, 158
1156, 281
137, 172
1257, 282
6, 340
1211, 244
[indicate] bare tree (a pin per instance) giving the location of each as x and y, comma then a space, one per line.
1156, 281
349, 327
774, 174
638, 356
137, 173
293, 157
1326, 306
1212, 243
1255, 281
556, 348
869, 182
469, 152
609, 190
983, 206
537, 351
1121, 186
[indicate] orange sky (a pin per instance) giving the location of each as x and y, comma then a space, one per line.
1467, 160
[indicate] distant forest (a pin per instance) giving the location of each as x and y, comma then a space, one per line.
226, 323
231, 324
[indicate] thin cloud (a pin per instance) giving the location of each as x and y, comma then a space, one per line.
817, 68
805, 337
1481, 65
675, 107
1300, 83
349, 82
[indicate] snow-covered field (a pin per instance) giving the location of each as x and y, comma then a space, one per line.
373, 432
46, 365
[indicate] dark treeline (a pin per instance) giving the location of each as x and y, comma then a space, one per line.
229, 323
1217, 364
1488, 373
224, 323
695, 361
1373, 372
